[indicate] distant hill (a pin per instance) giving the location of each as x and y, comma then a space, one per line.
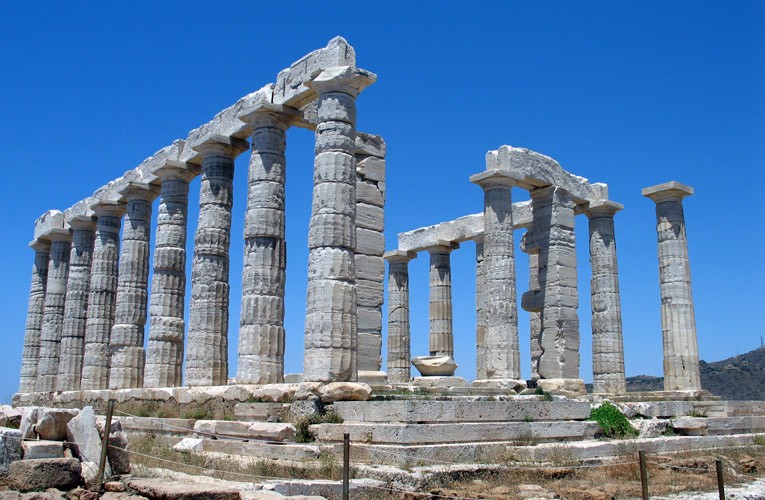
736, 378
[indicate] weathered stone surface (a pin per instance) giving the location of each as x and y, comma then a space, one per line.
168, 489
46, 423
569, 387
690, 426
435, 366
500, 383
9, 416
43, 449
35, 311
344, 391
84, 440
441, 339
399, 336
10, 447
444, 381
650, 428
40, 474
535, 317
271, 431
681, 352
267, 412
480, 310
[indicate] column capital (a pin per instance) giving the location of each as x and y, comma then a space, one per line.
603, 208
443, 247
174, 169
492, 179
138, 191
82, 222
40, 245
345, 79
108, 208
268, 114
668, 191
213, 143
56, 235
399, 256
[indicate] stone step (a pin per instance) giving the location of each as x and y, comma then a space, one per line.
154, 425
266, 431
719, 426
265, 412
404, 433
461, 411
251, 449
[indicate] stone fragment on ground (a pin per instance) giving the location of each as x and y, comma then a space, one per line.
344, 391
43, 473
43, 449
46, 423
85, 441
9, 416
165, 489
10, 447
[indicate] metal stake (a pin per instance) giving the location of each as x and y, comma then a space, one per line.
643, 474
105, 445
346, 465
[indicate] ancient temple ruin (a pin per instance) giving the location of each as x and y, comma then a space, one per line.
89, 302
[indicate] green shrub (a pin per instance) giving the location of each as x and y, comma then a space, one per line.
613, 423
303, 434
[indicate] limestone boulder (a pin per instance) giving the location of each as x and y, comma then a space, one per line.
43, 449
344, 391
275, 393
116, 454
9, 416
10, 447
568, 387
689, 426
46, 423
43, 473
271, 431
307, 390
435, 366
84, 439
189, 445
650, 428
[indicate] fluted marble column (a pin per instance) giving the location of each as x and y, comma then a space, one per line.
31, 354
331, 339
261, 323
441, 339
399, 338
681, 352
535, 316
207, 347
480, 310
103, 291
164, 349
76, 306
53, 317
126, 341
503, 360
607, 341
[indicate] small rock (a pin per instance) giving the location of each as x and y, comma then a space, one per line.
43, 473
345, 391
115, 487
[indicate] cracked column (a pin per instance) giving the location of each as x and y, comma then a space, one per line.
480, 309
76, 306
126, 341
501, 339
331, 314
552, 237
207, 347
102, 295
261, 323
399, 337
681, 353
441, 340
607, 341
164, 350
535, 316
53, 317
31, 354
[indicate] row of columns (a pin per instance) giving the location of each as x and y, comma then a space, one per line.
552, 299
88, 302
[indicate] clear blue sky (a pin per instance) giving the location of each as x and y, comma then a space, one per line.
631, 94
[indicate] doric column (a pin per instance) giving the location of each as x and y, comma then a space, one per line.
607, 342
207, 348
53, 317
331, 312
261, 323
535, 316
30, 356
164, 350
502, 348
103, 292
399, 339
681, 352
480, 310
552, 236
126, 341
441, 342
76, 305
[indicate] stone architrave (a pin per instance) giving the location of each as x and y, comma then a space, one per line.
103, 293
164, 350
76, 305
681, 352
552, 237
399, 336
35, 311
207, 347
501, 338
126, 341
480, 309
441, 340
261, 323
607, 340
535, 316
331, 307
53, 317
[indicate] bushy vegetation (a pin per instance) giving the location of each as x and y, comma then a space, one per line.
612, 421
303, 434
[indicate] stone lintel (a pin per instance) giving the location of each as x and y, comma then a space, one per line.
47, 221
491, 179
264, 112
399, 256
346, 79
443, 246
214, 141
138, 190
668, 191
604, 208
